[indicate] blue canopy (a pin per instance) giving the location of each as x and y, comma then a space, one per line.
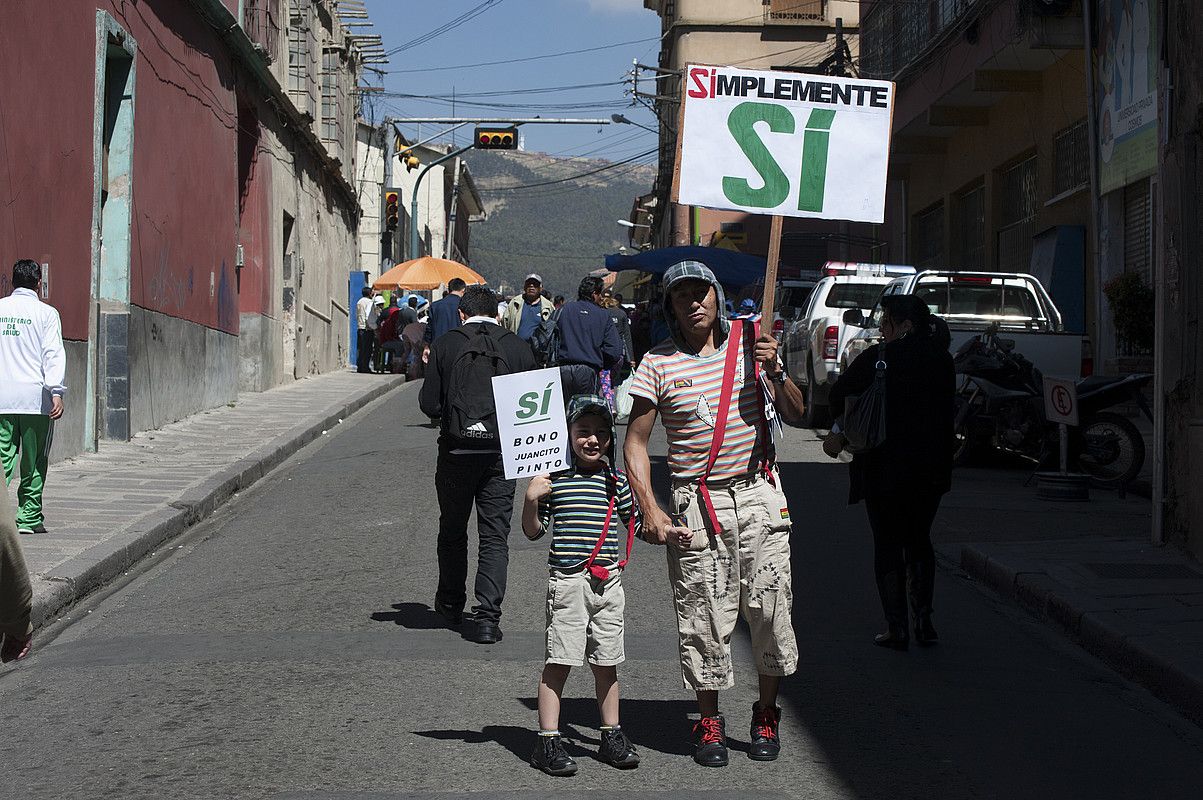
731, 268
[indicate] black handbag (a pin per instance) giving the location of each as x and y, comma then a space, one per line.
864, 423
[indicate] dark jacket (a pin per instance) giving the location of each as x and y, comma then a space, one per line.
444, 316
433, 397
588, 336
917, 453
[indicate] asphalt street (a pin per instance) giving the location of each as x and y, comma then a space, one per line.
286, 649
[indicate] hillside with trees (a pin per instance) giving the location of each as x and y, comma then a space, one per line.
561, 229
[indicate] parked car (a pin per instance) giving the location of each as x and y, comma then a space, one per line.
970, 302
812, 342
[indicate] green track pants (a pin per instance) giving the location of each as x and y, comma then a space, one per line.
25, 439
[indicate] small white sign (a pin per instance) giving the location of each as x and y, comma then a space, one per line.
531, 422
784, 143
1061, 400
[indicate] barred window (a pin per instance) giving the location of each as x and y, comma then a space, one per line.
1019, 200
1138, 230
927, 238
1070, 154
969, 228
331, 113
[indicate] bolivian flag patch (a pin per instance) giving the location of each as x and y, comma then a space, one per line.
785, 513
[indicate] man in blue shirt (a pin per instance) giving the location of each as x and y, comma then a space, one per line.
589, 340
444, 314
524, 313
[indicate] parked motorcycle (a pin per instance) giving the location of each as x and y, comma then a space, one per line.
1000, 403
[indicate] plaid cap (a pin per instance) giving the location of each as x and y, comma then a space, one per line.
687, 270
583, 404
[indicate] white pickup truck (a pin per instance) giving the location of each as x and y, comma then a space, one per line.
970, 301
812, 342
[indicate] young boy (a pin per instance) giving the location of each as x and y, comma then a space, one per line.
592, 515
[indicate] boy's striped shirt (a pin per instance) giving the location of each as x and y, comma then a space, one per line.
575, 513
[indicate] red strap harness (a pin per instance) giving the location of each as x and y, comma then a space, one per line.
599, 572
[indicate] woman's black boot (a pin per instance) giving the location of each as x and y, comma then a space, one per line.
895, 638
922, 586
892, 588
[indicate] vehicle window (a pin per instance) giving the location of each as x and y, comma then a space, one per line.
792, 298
853, 295
976, 299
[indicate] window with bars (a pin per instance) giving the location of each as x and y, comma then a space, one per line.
302, 44
1138, 230
790, 10
969, 228
927, 238
1070, 154
1018, 201
331, 128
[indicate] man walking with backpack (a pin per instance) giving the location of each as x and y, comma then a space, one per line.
459, 392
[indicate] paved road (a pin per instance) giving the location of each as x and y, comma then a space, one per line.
285, 649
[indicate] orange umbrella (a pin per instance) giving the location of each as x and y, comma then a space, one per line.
426, 272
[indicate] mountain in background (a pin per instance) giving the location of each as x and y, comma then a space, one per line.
562, 230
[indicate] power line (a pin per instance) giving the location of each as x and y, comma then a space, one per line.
573, 177
475, 11
527, 58
503, 92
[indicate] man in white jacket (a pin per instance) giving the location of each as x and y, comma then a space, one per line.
32, 369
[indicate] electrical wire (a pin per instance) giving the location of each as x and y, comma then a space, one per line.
524, 59
572, 177
468, 15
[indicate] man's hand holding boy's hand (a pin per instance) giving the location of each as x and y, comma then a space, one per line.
658, 529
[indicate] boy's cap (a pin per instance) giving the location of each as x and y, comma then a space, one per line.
583, 404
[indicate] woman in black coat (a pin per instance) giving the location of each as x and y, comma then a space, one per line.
903, 479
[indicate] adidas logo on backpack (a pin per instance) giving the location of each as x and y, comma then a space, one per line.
477, 430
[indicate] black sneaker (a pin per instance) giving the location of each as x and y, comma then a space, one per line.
487, 632
766, 742
710, 741
616, 749
550, 757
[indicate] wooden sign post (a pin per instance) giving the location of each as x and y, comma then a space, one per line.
770, 274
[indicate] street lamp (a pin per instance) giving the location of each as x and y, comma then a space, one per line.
621, 120
626, 223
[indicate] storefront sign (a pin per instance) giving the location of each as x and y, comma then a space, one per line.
1126, 91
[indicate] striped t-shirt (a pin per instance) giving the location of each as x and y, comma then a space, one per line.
575, 512
686, 390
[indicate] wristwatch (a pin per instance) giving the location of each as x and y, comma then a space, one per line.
779, 377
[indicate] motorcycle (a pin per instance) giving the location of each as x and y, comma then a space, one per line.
1000, 403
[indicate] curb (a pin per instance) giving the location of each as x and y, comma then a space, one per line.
71, 581
1135, 652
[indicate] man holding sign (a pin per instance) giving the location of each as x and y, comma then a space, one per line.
728, 538
459, 392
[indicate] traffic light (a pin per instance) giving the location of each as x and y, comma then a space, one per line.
410, 161
392, 210
497, 138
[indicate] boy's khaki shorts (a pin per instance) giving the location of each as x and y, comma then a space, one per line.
584, 619
744, 569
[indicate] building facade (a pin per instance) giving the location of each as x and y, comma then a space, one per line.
786, 35
196, 224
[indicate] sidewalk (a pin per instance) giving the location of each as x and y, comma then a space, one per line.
106, 510
1089, 570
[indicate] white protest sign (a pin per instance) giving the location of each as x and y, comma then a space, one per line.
531, 422
784, 143
1061, 400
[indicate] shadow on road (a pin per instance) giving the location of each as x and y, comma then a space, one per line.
415, 616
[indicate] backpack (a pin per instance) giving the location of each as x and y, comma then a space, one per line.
545, 341
470, 411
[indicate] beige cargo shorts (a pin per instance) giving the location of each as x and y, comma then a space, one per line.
742, 569
584, 619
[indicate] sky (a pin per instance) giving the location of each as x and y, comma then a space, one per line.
614, 32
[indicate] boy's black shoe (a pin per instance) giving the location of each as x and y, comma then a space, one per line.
551, 757
710, 741
616, 749
766, 741
487, 632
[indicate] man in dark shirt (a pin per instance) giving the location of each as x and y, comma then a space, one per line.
589, 340
444, 314
471, 469
409, 313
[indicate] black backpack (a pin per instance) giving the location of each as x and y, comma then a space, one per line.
471, 413
545, 341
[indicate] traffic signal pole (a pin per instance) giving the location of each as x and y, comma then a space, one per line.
413, 204
459, 122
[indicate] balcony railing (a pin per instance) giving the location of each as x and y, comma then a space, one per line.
261, 23
894, 35
792, 11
